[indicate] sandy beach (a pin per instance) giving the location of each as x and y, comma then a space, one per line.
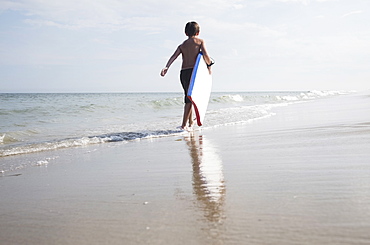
301, 176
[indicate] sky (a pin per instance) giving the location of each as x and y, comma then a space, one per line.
122, 45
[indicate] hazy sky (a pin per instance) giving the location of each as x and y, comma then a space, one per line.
121, 45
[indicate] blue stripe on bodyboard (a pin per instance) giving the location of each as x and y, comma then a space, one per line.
194, 74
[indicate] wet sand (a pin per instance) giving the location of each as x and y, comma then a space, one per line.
299, 177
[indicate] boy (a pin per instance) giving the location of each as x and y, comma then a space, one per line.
189, 49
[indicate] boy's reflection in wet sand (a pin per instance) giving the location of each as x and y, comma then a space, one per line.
208, 179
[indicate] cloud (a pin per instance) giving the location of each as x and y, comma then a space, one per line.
294, 1
305, 2
69, 14
242, 28
352, 13
112, 15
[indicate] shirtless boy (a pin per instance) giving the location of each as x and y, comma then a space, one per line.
189, 49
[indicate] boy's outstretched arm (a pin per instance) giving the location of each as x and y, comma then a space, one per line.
170, 61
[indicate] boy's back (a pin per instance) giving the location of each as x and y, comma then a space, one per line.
190, 49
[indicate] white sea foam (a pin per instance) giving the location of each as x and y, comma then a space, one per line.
84, 141
229, 98
42, 163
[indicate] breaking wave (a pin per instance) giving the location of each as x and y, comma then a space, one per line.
84, 141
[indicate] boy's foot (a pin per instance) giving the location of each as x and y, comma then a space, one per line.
185, 128
192, 123
190, 128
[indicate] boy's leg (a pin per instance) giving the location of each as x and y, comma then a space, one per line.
191, 119
187, 114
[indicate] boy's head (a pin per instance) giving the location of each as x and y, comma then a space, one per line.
192, 29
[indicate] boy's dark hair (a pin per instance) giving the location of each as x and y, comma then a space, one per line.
192, 28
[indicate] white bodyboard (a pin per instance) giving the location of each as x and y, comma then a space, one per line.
200, 88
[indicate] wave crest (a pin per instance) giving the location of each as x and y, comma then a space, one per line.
83, 141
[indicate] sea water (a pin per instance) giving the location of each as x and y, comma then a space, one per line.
36, 122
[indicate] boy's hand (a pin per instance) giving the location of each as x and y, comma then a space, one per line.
164, 71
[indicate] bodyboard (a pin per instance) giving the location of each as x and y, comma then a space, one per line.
200, 88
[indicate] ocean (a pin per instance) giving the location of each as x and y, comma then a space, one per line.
36, 122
